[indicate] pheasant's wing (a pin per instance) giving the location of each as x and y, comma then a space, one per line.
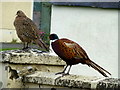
76, 49
30, 29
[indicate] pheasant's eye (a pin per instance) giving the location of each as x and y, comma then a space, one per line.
18, 12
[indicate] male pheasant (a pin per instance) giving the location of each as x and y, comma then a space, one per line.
72, 53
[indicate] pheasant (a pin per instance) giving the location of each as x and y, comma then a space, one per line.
72, 53
27, 31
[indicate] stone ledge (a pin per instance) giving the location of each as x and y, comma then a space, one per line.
75, 81
109, 83
31, 56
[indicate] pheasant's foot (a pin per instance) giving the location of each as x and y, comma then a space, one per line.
59, 73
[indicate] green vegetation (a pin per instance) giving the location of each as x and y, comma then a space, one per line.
45, 38
14, 40
4, 49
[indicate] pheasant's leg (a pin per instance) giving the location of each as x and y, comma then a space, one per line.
27, 45
23, 46
62, 71
68, 70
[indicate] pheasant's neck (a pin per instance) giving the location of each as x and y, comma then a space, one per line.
54, 40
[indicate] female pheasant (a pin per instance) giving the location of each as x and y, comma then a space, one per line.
27, 31
72, 54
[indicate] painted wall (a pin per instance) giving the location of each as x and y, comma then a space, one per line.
96, 30
8, 15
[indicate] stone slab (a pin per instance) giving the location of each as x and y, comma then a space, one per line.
31, 56
73, 81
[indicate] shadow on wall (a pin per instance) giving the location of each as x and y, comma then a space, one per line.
1, 84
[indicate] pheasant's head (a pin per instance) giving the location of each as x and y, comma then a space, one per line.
20, 13
53, 37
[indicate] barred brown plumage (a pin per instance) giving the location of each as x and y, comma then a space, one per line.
27, 31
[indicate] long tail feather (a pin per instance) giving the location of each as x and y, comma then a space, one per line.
42, 44
98, 68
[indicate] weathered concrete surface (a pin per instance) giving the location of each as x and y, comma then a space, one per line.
21, 60
78, 81
73, 81
46, 66
31, 56
42, 78
109, 83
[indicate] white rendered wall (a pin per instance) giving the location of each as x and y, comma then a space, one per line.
8, 13
96, 30
8, 35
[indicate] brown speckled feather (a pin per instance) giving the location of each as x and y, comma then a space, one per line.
24, 26
27, 31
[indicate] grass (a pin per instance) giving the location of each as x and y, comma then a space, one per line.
4, 49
